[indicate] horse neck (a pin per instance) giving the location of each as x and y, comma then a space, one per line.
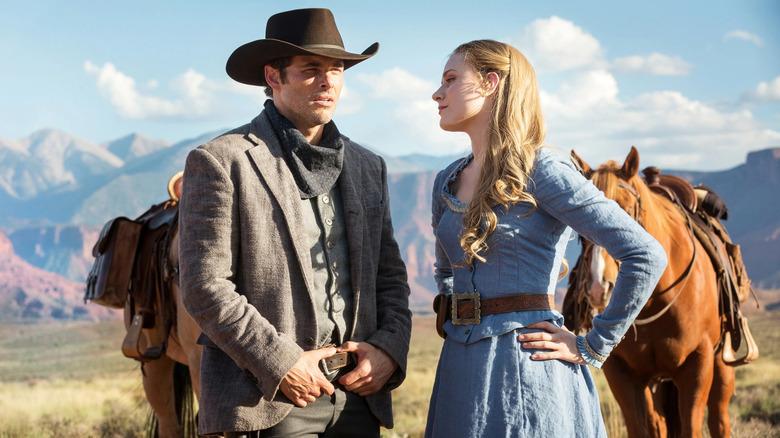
661, 217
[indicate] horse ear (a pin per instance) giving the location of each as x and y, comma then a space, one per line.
581, 165
631, 165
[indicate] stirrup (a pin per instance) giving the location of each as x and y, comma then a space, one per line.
131, 346
752, 348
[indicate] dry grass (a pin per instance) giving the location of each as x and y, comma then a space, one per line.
70, 380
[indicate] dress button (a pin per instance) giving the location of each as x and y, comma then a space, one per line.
471, 269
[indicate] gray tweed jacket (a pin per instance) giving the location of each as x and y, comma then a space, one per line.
246, 275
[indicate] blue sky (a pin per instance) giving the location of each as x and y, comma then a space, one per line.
694, 85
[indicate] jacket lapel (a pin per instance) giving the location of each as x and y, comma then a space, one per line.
349, 183
273, 170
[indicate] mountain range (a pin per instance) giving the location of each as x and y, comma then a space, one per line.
57, 190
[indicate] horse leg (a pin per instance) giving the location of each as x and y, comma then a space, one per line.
188, 333
629, 391
694, 380
657, 395
722, 388
158, 385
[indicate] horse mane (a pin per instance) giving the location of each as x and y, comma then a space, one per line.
658, 215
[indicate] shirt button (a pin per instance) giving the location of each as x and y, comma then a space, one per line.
329, 221
330, 244
335, 265
325, 199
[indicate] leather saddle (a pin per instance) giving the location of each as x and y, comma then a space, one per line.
149, 308
733, 283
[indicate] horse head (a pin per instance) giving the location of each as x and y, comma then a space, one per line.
621, 184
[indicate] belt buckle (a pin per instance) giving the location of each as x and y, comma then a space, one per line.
326, 370
324, 363
456, 298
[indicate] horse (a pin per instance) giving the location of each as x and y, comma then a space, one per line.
170, 379
677, 335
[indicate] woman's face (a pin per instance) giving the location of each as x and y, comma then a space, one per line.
461, 98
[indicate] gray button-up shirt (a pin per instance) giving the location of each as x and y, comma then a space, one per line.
327, 238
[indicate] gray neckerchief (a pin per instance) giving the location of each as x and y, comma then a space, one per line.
315, 168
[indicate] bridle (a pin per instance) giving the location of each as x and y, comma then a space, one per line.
636, 212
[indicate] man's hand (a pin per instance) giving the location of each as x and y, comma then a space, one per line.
305, 381
374, 367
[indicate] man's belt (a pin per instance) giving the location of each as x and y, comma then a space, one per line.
468, 308
331, 365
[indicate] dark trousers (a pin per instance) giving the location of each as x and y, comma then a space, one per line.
341, 415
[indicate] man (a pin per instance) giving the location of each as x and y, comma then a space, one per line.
288, 261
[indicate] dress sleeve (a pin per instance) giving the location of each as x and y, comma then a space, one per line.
442, 267
562, 192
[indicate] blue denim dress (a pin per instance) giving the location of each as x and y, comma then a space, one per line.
486, 383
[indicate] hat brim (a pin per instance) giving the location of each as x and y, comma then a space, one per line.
247, 63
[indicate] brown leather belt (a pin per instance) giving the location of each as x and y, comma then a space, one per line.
468, 308
332, 364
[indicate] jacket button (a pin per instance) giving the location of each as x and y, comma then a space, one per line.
310, 341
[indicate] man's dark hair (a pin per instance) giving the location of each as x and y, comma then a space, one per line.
281, 65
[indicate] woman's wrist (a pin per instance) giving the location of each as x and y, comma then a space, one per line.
586, 351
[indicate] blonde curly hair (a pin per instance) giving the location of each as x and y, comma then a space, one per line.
517, 130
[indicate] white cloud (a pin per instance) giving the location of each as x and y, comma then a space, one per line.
196, 94
743, 35
398, 85
584, 113
765, 91
555, 44
653, 64
350, 102
414, 112
585, 92
669, 130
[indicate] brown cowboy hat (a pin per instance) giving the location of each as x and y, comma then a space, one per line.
291, 33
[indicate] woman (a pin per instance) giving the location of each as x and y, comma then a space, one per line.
502, 218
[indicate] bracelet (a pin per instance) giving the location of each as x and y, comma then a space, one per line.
595, 355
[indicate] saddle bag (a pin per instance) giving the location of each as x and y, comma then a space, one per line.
110, 278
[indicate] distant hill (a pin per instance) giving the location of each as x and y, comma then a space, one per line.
752, 193
32, 293
53, 225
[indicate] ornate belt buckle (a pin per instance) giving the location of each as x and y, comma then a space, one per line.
458, 297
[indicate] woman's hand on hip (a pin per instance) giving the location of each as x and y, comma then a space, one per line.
559, 343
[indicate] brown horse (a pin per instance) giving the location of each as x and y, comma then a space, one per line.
170, 379
676, 335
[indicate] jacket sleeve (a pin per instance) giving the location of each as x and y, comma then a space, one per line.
394, 319
209, 260
561, 191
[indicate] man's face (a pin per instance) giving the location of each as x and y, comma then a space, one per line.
310, 92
